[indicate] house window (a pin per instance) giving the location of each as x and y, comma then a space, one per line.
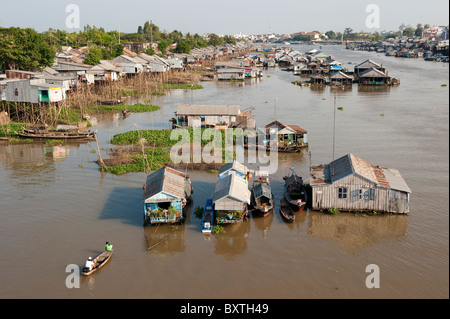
372, 194
16, 92
233, 118
342, 192
360, 194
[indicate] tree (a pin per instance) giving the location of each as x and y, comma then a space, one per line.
162, 46
94, 56
408, 31
183, 47
419, 30
347, 32
117, 50
25, 49
229, 39
215, 40
331, 34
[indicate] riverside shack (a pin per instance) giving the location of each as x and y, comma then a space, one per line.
166, 193
351, 184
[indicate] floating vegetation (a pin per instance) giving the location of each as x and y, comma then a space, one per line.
218, 229
55, 142
382, 114
340, 108
213, 171
198, 212
444, 85
333, 211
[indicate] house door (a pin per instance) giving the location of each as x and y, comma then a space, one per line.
44, 96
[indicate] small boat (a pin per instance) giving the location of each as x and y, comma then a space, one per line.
208, 217
126, 112
56, 134
99, 262
295, 192
261, 198
112, 102
286, 211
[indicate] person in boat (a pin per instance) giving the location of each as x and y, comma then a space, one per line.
108, 246
88, 265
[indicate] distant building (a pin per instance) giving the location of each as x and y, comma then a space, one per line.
33, 91
215, 116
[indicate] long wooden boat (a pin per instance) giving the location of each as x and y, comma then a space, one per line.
295, 192
286, 211
99, 262
261, 199
208, 217
56, 134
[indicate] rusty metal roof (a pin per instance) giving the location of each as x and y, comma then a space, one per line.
350, 164
165, 180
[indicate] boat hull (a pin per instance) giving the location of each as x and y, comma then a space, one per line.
99, 262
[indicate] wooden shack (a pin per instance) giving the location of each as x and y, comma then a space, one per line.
231, 199
166, 193
352, 184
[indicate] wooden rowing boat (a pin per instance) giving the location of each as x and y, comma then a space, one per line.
56, 134
99, 262
286, 211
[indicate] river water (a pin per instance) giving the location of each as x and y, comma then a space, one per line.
57, 208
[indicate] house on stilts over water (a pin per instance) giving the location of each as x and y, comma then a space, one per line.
351, 184
166, 193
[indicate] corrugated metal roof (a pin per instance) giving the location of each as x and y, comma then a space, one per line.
239, 167
185, 109
231, 187
350, 164
167, 180
372, 72
367, 64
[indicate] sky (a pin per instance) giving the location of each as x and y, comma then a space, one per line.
228, 17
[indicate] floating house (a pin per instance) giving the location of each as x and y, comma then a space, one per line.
340, 78
231, 199
366, 65
351, 184
166, 193
373, 76
214, 116
291, 138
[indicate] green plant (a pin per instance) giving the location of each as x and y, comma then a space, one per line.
218, 229
198, 212
333, 211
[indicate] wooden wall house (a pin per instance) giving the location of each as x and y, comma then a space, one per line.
352, 184
166, 193
33, 91
373, 76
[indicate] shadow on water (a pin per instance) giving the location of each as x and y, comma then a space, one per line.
165, 239
124, 203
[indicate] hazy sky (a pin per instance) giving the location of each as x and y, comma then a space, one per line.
225, 17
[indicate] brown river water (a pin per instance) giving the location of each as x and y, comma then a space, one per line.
57, 208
